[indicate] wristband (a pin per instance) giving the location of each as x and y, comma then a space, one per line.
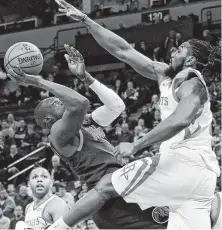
84, 18
59, 224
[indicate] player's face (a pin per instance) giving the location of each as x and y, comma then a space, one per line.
18, 211
178, 58
40, 182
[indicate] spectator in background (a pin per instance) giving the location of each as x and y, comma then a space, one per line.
208, 36
118, 88
157, 55
4, 221
125, 135
23, 199
147, 117
66, 196
216, 141
90, 224
14, 156
7, 97
31, 139
11, 191
157, 116
7, 204
123, 118
141, 123
143, 48
7, 135
21, 132
169, 43
44, 139
3, 161
84, 188
58, 172
155, 103
12, 122
18, 97
179, 39
130, 97
18, 212
138, 133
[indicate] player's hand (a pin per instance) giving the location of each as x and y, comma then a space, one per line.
75, 62
22, 78
124, 149
70, 11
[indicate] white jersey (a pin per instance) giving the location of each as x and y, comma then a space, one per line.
197, 136
218, 222
34, 217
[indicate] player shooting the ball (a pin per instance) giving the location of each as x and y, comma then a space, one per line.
79, 140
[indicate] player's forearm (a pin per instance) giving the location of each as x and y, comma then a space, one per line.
107, 39
108, 97
70, 98
162, 132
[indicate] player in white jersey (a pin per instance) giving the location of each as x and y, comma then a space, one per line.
183, 176
46, 208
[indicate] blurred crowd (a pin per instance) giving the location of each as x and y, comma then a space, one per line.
14, 10
19, 134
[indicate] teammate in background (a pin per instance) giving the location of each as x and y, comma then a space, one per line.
46, 208
183, 176
80, 141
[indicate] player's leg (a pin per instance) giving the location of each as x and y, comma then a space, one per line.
88, 205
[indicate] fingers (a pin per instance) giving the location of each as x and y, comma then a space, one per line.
116, 151
62, 10
69, 51
12, 78
21, 72
78, 54
12, 73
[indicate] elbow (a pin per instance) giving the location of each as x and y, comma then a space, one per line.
85, 104
180, 124
119, 106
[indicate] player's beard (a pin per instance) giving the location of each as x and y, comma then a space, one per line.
171, 72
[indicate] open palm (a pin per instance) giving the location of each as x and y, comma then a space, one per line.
70, 10
75, 62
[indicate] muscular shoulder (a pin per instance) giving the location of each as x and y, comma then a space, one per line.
193, 87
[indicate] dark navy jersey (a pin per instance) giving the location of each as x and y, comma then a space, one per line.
95, 157
91, 162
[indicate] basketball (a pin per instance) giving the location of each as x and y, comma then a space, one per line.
26, 55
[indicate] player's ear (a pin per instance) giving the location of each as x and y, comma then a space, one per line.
28, 183
190, 61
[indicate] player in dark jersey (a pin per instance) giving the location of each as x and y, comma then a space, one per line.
80, 141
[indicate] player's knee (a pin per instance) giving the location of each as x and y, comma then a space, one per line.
105, 187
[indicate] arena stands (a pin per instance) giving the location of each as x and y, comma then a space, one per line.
19, 134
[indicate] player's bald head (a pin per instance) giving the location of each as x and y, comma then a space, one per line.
48, 111
39, 170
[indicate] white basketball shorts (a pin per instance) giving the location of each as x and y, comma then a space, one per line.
178, 179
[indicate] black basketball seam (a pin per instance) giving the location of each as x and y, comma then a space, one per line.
20, 55
11, 51
28, 66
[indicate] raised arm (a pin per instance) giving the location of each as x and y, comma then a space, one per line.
117, 46
64, 130
113, 104
192, 95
